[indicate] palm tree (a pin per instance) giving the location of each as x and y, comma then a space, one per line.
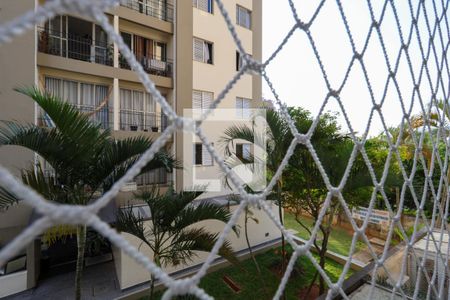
85, 159
169, 232
279, 138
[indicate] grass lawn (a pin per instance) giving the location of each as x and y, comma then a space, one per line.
340, 239
245, 276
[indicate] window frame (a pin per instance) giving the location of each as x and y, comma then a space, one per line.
210, 9
240, 8
155, 43
241, 109
242, 155
203, 106
210, 61
145, 111
198, 154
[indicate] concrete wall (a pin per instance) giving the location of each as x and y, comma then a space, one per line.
130, 273
13, 283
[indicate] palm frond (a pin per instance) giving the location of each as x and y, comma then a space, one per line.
128, 222
201, 212
196, 239
7, 199
119, 156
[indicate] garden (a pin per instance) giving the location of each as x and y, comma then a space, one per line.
242, 282
85, 161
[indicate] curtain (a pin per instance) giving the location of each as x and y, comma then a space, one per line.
149, 49
125, 108
138, 109
139, 47
87, 99
102, 115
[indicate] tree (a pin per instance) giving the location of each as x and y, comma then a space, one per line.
86, 160
278, 139
170, 233
305, 189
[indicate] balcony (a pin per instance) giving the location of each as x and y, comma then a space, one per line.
152, 65
158, 176
102, 117
142, 121
159, 9
71, 45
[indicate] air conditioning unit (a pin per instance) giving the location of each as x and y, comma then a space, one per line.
129, 187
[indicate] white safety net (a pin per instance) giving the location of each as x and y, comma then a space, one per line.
428, 27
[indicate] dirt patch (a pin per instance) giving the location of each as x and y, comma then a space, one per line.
313, 293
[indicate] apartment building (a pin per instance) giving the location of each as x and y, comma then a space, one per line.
187, 51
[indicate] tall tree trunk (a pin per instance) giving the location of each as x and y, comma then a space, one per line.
152, 284
81, 244
323, 251
283, 242
252, 255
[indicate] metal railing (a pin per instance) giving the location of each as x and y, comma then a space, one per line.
152, 65
102, 116
158, 176
142, 121
159, 9
73, 46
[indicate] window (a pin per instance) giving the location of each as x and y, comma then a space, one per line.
201, 99
202, 157
243, 151
145, 48
243, 106
205, 5
88, 98
137, 111
243, 17
203, 51
151, 54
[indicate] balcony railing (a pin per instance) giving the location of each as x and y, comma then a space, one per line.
142, 121
159, 9
152, 65
102, 116
73, 46
158, 176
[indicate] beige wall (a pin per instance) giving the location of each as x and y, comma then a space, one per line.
17, 65
130, 273
213, 78
183, 71
17, 68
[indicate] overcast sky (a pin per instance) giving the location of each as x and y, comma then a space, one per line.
296, 75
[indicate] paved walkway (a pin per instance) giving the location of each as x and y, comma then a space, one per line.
98, 282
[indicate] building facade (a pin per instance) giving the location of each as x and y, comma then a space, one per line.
184, 47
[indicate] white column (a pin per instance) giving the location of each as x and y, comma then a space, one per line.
116, 90
116, 50
116, 103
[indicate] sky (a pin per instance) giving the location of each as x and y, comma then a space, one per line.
298, 80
